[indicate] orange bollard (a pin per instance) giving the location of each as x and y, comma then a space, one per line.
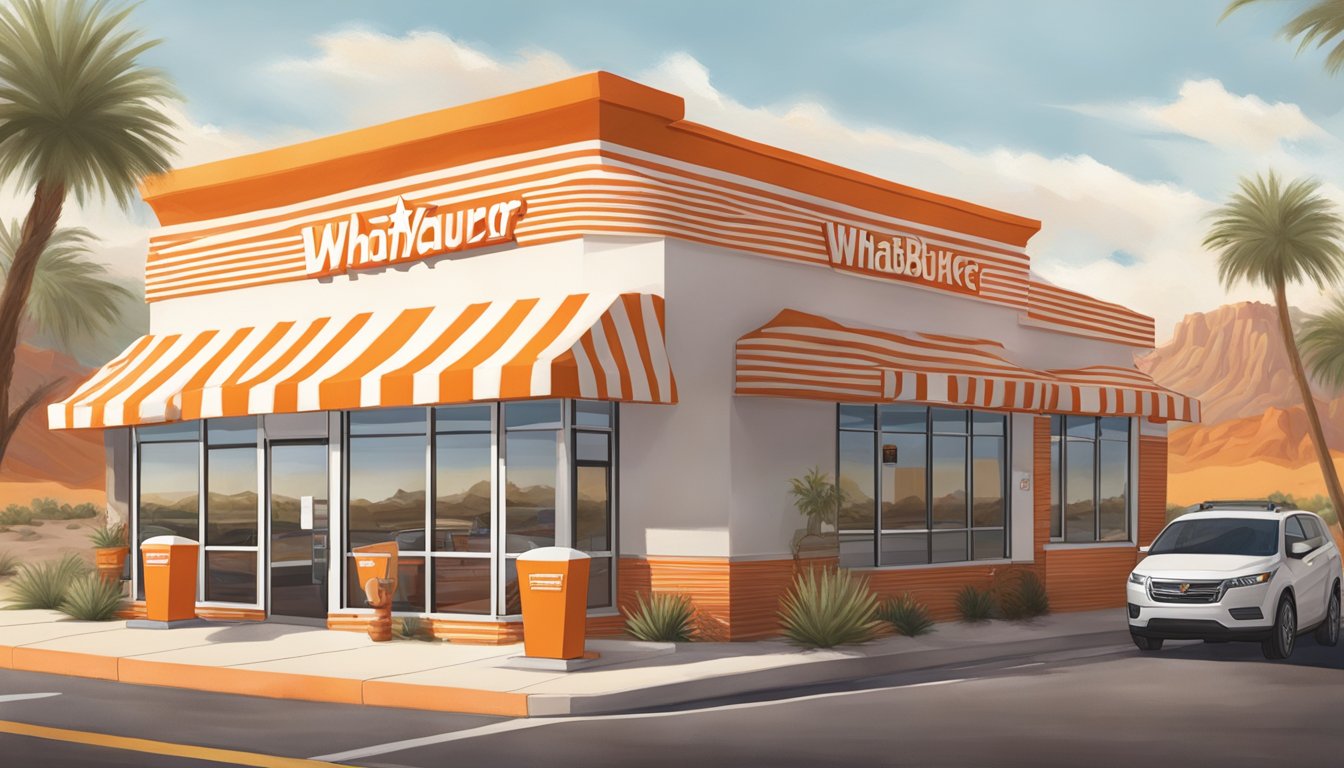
380, 599
553, 582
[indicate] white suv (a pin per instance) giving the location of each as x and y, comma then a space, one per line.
1238, 570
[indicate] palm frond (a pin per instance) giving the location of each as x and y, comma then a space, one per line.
72, 298
1321, 341
1319, 25
76, 107
1273, 234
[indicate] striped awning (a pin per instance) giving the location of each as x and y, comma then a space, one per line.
589, 346
802, 355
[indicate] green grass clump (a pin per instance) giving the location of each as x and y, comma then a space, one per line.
663, 618
975, 604
413, 628
9, 563
44, 585
90, 598
1024, 597
45, 509
909, 616
830, 609
108, 536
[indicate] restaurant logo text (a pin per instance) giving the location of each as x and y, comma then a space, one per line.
406, 234
903, 257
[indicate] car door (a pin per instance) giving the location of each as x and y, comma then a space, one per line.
1325, 558
1309, 570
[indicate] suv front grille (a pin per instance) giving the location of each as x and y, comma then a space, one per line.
1193, 592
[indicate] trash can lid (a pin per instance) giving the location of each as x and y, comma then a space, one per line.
167, 541
552, 554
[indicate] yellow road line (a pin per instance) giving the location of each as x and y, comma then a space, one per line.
152, 747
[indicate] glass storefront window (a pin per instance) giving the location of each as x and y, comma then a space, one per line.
1090, 471
529, 491
231, 497
940, 475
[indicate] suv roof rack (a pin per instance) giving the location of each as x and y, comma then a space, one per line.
1265, 504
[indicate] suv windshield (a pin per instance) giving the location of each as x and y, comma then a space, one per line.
1219, 536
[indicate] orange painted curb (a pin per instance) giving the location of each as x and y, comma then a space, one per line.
63, 663
247, 682
442, 699
6, 657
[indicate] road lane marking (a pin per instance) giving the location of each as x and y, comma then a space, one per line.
541, 722
1024, 666
26, 696
148, 746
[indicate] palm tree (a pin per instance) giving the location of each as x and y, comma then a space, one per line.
1321, 24
1272, 235
78, 115
72, 298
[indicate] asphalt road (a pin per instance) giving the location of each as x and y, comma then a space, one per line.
1190, 705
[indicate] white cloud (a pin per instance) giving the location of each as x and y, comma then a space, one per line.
1206, 110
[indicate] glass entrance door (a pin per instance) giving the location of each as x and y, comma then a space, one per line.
298, 528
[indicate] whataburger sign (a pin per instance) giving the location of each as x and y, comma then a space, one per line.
407, 234
901, 257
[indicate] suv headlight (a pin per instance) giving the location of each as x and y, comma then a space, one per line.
1137, 578
1249, 581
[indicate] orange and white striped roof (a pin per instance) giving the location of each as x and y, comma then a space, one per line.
590, 346
802, 355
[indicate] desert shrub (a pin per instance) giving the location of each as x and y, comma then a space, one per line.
44, 585
663, 618
830, 609
73, 526
413, 628
90, 598
975, 604
108, 535
28, 534
1023, 597
9, 563
16, 515
909, 616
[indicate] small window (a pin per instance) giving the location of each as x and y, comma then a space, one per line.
388, 421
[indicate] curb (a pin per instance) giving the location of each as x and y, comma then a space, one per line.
815, 673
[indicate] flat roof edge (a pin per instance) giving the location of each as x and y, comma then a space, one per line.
591, 87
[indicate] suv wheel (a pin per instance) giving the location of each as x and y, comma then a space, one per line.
1328, 632
1279, 645
1146, 644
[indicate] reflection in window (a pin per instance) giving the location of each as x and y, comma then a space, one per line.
529, 490
387, 490
231, 498
169, 497
462, 492
941, 477
1090, 470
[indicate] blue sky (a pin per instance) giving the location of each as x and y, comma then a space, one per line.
1118, 124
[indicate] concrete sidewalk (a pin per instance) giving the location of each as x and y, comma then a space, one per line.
284, 661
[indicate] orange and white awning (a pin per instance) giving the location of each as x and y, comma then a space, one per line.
807, 356
589, 346
1116, 391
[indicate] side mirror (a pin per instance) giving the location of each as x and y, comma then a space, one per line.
1299, 549
1143, 551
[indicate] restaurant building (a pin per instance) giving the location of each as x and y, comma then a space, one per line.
570, 316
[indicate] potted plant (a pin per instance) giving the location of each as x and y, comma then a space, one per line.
818, 501
110, 551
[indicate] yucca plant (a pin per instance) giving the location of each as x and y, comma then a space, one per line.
413, 628
975, 604
830, 609
663, 618
90, 598
109, 536
909, 616
1024, 597
9, 563
44, 585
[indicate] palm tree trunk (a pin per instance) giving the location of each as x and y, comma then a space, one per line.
48, 200
1309, 406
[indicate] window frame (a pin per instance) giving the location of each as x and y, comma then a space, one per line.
1058, 460
929, 433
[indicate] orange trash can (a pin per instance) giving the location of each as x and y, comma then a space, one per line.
169, 574
553, 585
